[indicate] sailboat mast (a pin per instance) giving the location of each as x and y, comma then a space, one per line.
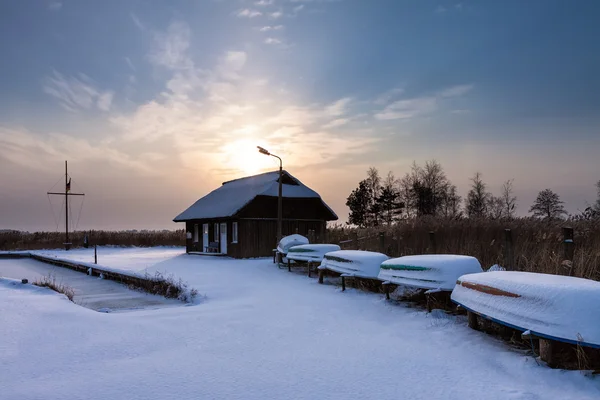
66, 207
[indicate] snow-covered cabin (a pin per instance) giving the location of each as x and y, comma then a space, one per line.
240, 218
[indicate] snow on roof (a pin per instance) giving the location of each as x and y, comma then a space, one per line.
233, 195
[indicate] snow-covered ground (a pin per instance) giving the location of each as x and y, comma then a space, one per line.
260, 333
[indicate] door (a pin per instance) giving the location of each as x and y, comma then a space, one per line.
204, 237
223, 240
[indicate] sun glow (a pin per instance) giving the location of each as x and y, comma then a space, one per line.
243, 157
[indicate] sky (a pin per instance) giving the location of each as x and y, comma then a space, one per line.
156, 103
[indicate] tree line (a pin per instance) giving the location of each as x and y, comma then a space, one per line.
426, 191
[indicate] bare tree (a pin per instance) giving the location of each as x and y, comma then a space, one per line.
451, 202
374, 185
548, 205
477, 198
495, 207
509, 200
597, 205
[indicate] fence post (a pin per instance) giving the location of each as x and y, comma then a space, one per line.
355, 240
509, 254
432, 243
382, 242
95, 255
569, 249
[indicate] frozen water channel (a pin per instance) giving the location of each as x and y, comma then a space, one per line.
91, 292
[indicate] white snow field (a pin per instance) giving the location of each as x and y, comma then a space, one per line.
563, 307
260, 333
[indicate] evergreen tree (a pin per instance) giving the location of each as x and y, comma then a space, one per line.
477, 198
548, 206
359, 202
389, 204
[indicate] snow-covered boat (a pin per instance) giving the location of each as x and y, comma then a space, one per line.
362, 264
432, 271
287, 242
553, 307
310, 252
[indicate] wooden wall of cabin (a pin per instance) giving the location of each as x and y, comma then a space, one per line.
233, 249
293, 209
258, 237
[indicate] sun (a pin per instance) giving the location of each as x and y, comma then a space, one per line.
242, 155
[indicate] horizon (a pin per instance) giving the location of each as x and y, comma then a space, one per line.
170, 101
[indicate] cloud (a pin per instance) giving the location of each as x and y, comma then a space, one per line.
386, 97
105, 100
206, 114
137, 21
130, 64
336, 123
456, 91
170, 48
75, 93
298, 8
248, 13
338, 107
440, 9
410, 108
263, 3
276, 14
35, 151
55, 6
271, 28
271, 40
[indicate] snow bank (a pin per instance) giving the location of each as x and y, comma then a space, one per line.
261, 334
311, 252
364, 264
288, 242
553, 306
434, 271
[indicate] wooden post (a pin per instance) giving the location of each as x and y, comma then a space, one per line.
509, 255
321, 273
386, 290
546, 347
95, 255
473, 320
343, 283
382, 242
432, 243
569, 249
308, 263
355, 240
429, 302
289, 266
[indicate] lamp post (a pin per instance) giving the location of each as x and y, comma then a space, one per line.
279, 197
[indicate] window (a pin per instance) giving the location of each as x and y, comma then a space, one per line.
216, 232
205, 229
234, 232
195, 233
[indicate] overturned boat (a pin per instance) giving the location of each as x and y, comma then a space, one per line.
552, 307
287, 242
355, 263
431, 271
310, 252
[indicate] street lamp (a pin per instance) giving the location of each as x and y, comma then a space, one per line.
279, 198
